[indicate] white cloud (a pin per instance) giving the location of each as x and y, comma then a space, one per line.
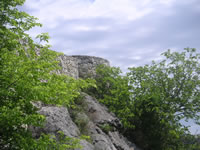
130, 28
144, 31
90, 28
136, 57
167, 2
48, 10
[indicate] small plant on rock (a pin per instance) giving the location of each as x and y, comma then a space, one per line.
106, 127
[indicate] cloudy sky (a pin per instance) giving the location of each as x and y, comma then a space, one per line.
126, 32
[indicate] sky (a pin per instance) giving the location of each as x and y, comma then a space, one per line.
128, 33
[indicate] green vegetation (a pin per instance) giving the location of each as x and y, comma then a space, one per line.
151, 100
77, 112
82, 123
51, 143
28, 75
106, 127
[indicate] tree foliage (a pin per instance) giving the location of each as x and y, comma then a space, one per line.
175, 81
28, 74
113, 91
151, 100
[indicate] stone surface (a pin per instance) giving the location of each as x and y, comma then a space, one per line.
69, 66
94, 115
99, 115
86, 145
87, 65
59, 119
78, 66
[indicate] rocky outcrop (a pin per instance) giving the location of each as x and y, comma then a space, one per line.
69, 66
103, 127
87, 65
78, 66
57, 119
98, 123
91, 118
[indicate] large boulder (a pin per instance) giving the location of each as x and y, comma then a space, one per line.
57, 119
101, 125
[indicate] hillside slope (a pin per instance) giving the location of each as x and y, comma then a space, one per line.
89, 117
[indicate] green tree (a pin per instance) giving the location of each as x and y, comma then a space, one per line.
152, 100
113, 91
175, 81
28, 74
172, 87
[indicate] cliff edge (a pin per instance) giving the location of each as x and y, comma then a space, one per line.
79, 66
89, 118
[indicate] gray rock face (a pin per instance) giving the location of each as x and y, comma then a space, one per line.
69, 66
86, 145
98, 118
99, 114
87, 65
78, 66
57, 119
100, 124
